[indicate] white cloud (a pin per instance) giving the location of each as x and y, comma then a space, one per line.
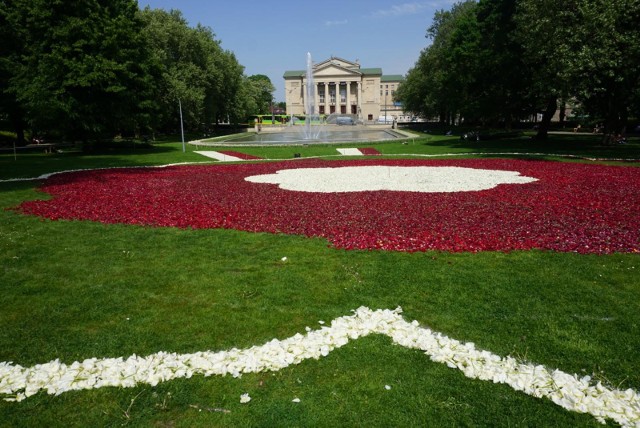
410, 8
334, 23
402, 9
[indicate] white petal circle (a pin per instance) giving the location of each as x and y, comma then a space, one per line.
428, 179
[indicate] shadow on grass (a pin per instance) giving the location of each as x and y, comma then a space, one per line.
34, 164
579, 145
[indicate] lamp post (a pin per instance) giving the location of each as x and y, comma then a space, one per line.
386, 92
181, 125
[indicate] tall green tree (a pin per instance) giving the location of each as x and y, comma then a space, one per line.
502, 79
443, 80
496, 61
262, 92
10, 52
194, 71
181, 58
546, 30
80, 70
606, 65
231, 95
586, 49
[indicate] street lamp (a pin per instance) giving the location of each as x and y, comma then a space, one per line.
181, 125
386, 92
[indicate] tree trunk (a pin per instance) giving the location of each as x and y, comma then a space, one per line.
18, 126
543, 126
615, 122
20, 141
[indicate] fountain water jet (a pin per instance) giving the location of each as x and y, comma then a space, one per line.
310, 105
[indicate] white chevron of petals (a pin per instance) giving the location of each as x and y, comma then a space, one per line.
569, 391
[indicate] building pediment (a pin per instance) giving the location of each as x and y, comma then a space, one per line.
329, 70
337, 62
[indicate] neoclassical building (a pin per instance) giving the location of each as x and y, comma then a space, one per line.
343, 87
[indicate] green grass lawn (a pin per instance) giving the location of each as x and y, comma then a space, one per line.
74, 290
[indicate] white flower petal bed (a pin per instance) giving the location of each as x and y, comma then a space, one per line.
396, 178
350, 152
218, 156
568, 391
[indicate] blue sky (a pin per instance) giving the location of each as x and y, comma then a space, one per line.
269, 37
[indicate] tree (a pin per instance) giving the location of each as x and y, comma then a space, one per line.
442, 81
180, 57
262, 92
10, 50
193, 69
79, 72
497, 61
545, 30
231, 99
503, 79
586, 49
606, 66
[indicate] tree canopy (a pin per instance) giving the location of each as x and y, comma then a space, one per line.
263, 90
98, 68
497, 61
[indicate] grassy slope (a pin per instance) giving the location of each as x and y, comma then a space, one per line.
73, 290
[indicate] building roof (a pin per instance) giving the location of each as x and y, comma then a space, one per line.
365, 71
392, 78
371, 71
294, 73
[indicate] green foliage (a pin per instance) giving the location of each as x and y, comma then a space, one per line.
591, 52
504, 80
441, 82
193, 68
99, 68
496, 61
79, 70
262, 90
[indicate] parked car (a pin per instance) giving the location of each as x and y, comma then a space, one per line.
345, 120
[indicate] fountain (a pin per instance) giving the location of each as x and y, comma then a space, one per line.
315, 129
310, 105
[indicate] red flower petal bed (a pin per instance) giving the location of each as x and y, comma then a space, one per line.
369, 151
572, 207
238, 155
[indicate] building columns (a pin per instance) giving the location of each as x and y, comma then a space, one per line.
316, 107
352, 98
348, 97
359, 100
326, 98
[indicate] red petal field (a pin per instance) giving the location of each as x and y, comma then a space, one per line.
573, 207
369, 151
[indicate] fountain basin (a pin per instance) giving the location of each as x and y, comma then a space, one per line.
329, 134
